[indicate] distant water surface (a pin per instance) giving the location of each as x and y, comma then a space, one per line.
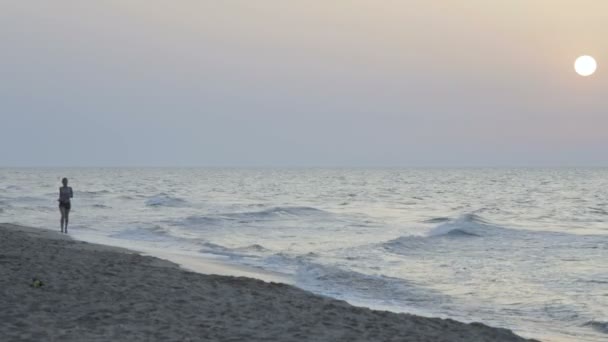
525, 249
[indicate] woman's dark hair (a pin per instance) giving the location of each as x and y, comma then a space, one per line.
64, 180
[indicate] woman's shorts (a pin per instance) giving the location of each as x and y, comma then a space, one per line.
65, 205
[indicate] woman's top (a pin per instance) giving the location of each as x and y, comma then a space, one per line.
65, 193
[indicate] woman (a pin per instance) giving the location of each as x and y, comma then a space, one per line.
65, 193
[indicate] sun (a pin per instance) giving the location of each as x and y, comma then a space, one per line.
585, 65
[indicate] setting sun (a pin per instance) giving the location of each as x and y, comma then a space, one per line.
585, 65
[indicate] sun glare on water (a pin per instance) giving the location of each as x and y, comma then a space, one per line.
585, 65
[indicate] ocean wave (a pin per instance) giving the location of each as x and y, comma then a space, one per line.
594, 281
471, 225
336, 278
212, 248
32, 199
350, 285
202, 220
40, 208
238, 252
467, 226
274, 213
164, 200
101, 206
281, 212
152, 233
599, 211
601, 326
437, 220
476, 232
85, 194
131, 197
459, 233
252, 248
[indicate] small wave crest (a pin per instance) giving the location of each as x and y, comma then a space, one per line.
274, 213
437, 220
153, 233
131, 197
601, 326
460, 233
31, 200
468, 225
164, 200
252, 248
197, 221
90, 193
238, 252
282, 212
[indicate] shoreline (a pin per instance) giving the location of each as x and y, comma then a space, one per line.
97, 292
195, 263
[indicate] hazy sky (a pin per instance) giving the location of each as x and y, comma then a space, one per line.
302, 83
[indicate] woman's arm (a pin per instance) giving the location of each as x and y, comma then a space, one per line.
71, 193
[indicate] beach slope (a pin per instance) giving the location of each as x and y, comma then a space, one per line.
99, 293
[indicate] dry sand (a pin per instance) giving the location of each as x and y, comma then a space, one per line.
100, 293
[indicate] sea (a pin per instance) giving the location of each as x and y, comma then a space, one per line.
523, 249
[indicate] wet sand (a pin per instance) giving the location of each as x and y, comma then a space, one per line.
100, 293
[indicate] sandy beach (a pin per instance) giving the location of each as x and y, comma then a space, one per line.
100, 293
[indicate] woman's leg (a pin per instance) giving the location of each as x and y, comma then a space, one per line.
67, 216
62, 210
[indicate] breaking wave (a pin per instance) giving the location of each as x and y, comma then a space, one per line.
350, 285
467, 226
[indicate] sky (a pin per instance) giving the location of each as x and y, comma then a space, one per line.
315, 83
